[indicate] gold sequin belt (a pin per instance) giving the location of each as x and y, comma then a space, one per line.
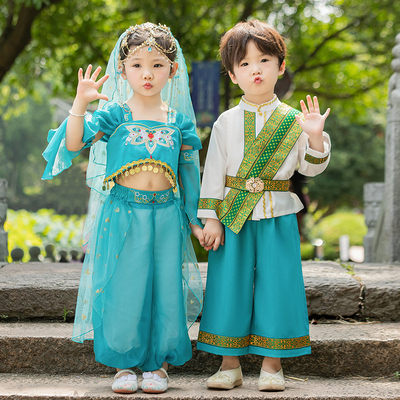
256, 185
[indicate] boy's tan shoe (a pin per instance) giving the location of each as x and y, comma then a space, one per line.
271, 382
226, 379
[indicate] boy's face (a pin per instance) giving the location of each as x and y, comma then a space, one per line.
257, 74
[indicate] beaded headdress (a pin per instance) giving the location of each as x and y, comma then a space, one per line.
153, 32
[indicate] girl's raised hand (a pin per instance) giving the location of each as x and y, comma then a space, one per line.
88, 87
313, 122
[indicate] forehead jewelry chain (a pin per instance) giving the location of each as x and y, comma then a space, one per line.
150, 41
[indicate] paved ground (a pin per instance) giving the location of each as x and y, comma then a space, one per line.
193, 387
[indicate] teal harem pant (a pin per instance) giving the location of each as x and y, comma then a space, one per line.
139, 308
255, 299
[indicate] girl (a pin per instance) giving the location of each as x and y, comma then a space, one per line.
144, 175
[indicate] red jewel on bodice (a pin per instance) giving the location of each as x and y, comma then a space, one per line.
150, 135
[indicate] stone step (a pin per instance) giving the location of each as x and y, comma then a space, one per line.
338, 350
185, 387
50, 289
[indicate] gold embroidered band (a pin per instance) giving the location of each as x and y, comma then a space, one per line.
209, 204
315, 160
269, 185
254, 340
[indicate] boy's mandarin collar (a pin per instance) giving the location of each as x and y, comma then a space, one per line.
260, 108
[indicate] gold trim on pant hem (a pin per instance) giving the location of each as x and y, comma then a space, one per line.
254, 340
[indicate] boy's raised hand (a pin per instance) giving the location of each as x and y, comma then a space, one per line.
313, 122
88, 88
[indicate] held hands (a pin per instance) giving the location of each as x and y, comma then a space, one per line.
88, 89
313, 123
213, 234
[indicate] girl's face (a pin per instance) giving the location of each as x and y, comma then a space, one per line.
147, 72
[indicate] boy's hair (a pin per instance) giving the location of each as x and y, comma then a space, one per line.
233, 44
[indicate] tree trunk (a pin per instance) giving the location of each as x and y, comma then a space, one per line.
16, 34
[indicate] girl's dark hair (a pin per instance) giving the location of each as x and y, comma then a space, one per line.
163, 38
233, 44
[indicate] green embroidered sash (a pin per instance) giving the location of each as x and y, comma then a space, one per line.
263, 157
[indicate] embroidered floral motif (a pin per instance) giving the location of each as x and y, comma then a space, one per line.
188, 156
150, 137
272, 381
220, 375
155, 198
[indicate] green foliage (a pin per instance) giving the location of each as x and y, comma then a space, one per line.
358, 157
330, 228
349, 268
44, 227
32, 3
343, 56
337, 50
307, 251
65, 314
22, 123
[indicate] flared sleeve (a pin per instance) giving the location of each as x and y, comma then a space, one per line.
56, 154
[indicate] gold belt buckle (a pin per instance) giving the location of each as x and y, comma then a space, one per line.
254, 185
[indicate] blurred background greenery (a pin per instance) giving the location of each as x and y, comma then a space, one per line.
339, 50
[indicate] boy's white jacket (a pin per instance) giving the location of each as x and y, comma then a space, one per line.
226, 152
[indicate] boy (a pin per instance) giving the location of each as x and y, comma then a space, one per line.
255, 299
